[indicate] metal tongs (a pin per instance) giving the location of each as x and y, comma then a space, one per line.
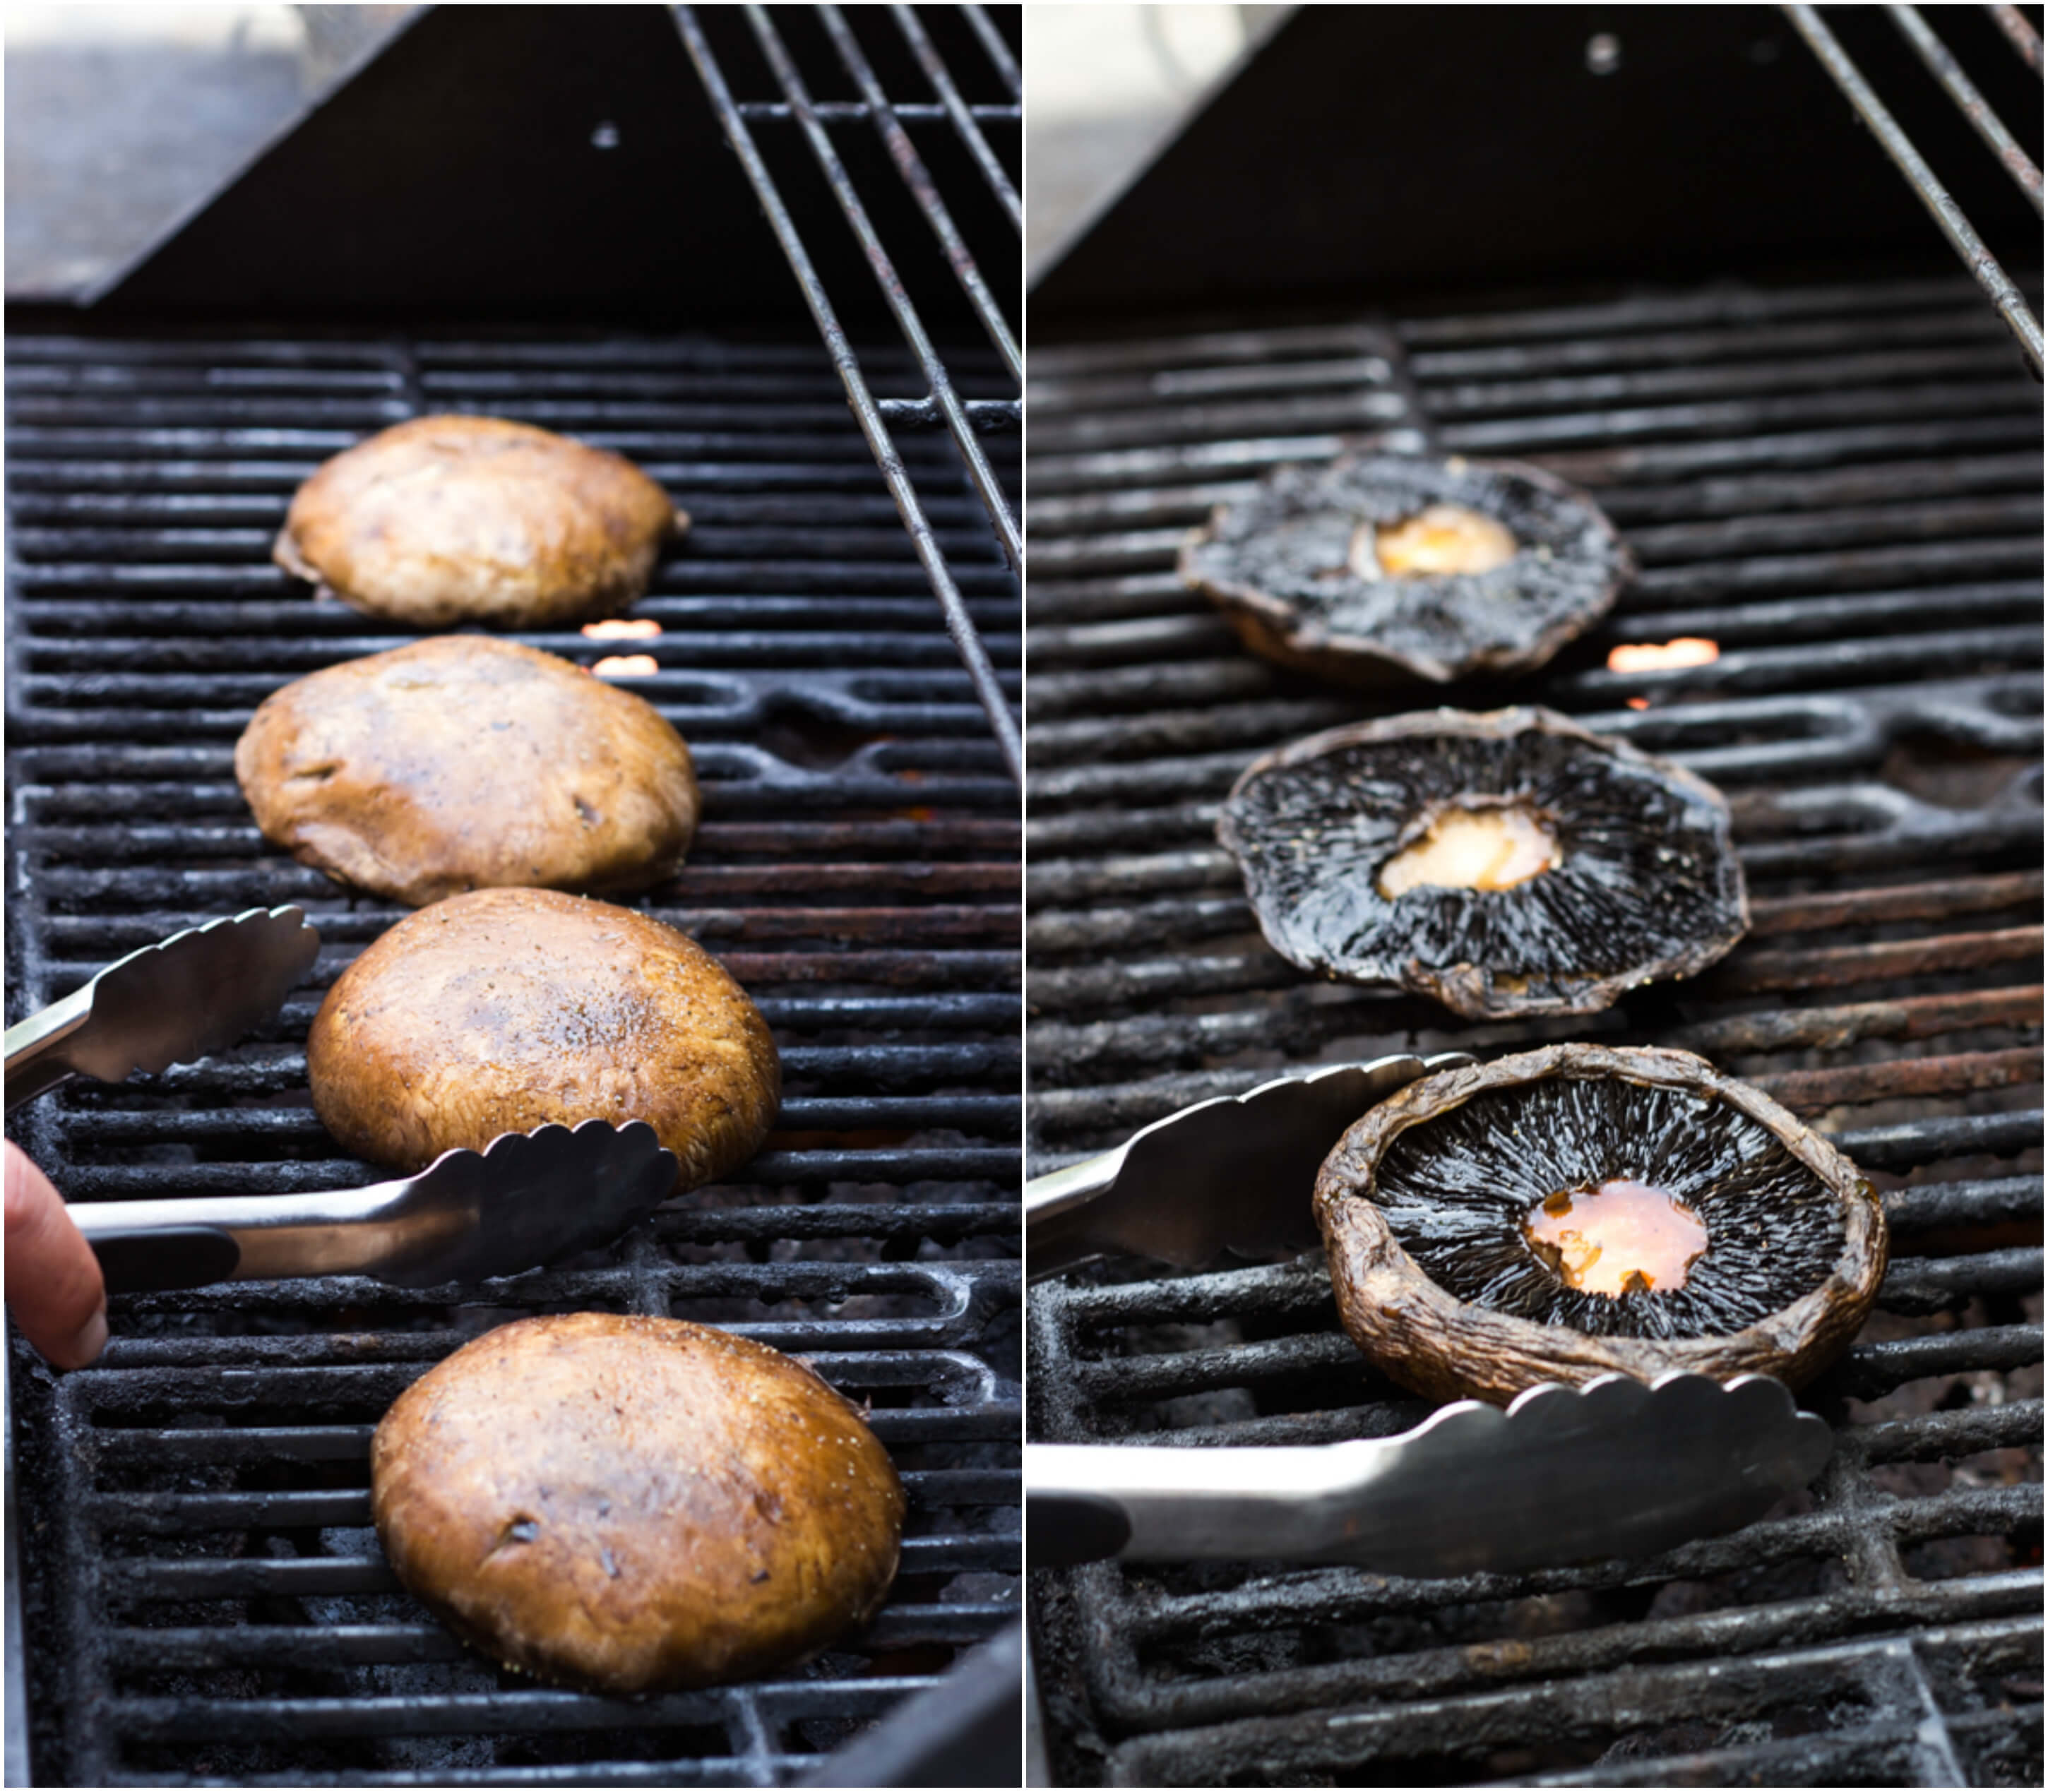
1230, 1174
196, 992
1615, 1467
525, 1200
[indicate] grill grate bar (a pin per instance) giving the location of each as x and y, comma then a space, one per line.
362, 1645
1961, 89
2009, 301
2020, 33
963, 115
940, 382
169, 1514
1861, 1676
1435, 1674
857, 111
919, 180
974, 654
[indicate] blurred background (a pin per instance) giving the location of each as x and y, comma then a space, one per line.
1103, 86
119, 118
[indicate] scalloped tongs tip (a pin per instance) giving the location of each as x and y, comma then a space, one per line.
195, 993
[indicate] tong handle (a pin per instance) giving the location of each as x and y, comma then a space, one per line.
148, 1263
1154, 1501
146, 1246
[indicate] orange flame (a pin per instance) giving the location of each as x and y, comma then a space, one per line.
623, 628
1649, 657
627, 665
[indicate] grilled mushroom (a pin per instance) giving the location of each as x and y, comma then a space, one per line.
1508, 863
632, 1504
1576, 1211
463, 761
1390, 566
472, 519
503, 1010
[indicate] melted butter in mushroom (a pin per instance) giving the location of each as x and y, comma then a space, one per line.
1440, 539
1473, 849
1620, 1238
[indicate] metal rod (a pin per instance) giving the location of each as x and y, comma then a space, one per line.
1946, 69
959, 624
855, 111
987, 414
907, 320
924, 189
942, 78
1982, 264
2021, 34
999, 52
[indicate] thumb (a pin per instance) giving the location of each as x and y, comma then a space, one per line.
53, 1282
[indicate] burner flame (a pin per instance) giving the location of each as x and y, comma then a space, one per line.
1651, 657
623, 628
627, 665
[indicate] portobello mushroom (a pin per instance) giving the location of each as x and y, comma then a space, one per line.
472, 519
1386, 567
631, 1505
503, 1010
463, 761
1506, 864
1581, 1210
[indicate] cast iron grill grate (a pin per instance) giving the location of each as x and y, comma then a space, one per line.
204, 1599
1840, 485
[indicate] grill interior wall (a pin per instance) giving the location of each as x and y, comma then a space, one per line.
205, 1599
1840, 485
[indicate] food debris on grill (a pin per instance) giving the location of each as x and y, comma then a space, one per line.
446, 520
1384, 566
633, 1505
1505, 863
1579, 1210
503, 1009
463, 761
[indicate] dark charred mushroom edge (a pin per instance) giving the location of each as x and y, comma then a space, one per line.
1428, 1339
1648, 887
1276, 565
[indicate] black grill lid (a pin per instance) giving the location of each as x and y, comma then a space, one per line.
1353, 151
557, 161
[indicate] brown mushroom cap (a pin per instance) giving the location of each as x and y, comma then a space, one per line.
463, 761
1276, 564
1428, 1339
503, 1010
631, 1505
1649, 885
473, 519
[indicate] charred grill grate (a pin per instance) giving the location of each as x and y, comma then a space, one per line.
1840, 485
204, 1600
